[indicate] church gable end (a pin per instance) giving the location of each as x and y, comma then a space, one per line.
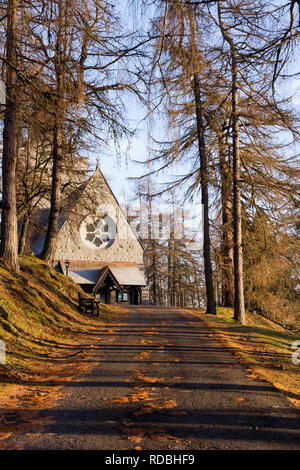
96, 228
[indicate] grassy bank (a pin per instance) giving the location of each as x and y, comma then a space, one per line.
262, 345
41, 325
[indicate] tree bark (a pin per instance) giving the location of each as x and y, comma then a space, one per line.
154, 287
210, 295
9, 230
195, 60
239, 307
227, 235
53, 222
23, 234
169, 272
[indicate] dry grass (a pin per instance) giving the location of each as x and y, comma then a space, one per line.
262, 345
42, 328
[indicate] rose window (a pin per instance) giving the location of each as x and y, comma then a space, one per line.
98, 233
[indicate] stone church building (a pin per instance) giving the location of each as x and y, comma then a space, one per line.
96, 245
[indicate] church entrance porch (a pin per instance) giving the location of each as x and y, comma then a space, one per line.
114, 283
108, 296
107, 287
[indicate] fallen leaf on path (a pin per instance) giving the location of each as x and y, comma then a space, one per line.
163, 436
146, 341
139, 376
251, 375
143, 355
120, 400
238, 399
134, 438
151, 407
134, 397
169, 404
5, 435
223, 365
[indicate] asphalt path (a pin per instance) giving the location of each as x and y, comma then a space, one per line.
164, 382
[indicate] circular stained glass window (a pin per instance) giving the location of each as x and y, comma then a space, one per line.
99, 232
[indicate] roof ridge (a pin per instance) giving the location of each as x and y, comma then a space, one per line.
97, 263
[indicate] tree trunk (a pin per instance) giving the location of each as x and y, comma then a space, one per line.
174, 274
23, 234
154, 277
154, 287
169, 272
9, 230
196, 64
53, 222
239, 307
210, 295
227, 236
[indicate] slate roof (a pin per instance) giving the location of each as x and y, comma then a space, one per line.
128, 275
89, 272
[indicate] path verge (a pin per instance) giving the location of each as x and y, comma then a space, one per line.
263, 346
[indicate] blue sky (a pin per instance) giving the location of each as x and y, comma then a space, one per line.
116, 161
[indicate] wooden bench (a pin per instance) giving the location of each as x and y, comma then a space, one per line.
87, 304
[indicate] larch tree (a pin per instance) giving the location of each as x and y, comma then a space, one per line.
60, 56
239, 303
9, 231
82, 54
178, 59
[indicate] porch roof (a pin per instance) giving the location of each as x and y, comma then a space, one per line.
104, 274
84, 272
